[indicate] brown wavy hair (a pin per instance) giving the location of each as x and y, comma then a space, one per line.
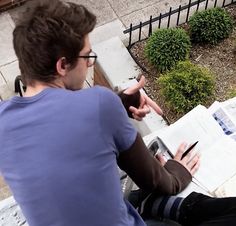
47, 31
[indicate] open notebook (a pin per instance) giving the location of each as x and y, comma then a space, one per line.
218, 151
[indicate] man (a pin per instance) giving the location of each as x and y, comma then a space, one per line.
60, 144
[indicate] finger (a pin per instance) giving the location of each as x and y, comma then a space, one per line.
140, 112
137, 117
134, 110
193, 161
145, 109
180, 151
136, 87
193, 164
161, 159
142, 101
195, 168
153, 105
189, 154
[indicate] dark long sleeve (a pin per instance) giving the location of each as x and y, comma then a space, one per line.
130, 100
147, 172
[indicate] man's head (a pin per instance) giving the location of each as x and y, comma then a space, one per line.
48, 40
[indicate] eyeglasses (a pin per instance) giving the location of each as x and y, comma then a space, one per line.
91, 58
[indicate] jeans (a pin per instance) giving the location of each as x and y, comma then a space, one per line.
201, 210
198, 210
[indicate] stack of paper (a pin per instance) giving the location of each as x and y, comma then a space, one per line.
225, 114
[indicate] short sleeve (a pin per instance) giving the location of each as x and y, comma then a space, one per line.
115, 122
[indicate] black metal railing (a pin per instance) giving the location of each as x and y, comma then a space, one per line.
6, 5
168, 15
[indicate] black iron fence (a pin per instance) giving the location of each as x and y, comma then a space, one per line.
178, 12
8, 4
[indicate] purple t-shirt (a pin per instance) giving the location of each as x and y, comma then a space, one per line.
58, 154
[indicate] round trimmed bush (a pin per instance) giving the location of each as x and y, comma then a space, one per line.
166, 47
210, 26
231, 93
187, 86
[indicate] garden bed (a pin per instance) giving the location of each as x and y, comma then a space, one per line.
220, 59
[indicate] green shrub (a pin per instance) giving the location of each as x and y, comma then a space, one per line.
166, 47
186, 86
231, 93
210, 26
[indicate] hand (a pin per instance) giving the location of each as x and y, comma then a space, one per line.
138, 112
161, 159
191, 161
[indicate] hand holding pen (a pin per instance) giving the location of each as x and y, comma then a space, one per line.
189, 149
183, 156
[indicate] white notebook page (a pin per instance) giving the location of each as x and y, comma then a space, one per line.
197, 125
218, 163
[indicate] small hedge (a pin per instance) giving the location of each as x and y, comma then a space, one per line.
166, 47
231, 93
210, 26
186, 86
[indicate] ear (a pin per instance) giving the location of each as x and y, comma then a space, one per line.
62, 67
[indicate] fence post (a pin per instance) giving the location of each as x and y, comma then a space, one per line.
150, 27
198, 2
130, 35
168, 24
206, 4
140, 30
169, 14
159, 24
179, 10
189, 4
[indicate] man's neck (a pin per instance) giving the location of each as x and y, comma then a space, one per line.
38, 87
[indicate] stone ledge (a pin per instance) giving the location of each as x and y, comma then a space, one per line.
120, 70
107, 31
115, 61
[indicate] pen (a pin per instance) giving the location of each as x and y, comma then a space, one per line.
189, 149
